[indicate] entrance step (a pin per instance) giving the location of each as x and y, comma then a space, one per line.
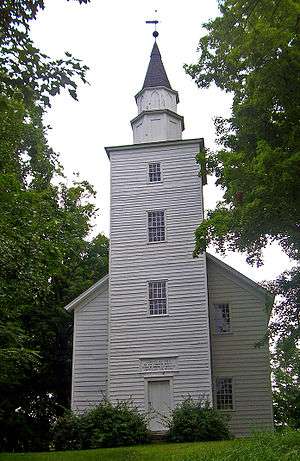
158, 436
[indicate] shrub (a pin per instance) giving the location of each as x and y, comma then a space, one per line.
106, 425
110, 425
66, 432
195, 420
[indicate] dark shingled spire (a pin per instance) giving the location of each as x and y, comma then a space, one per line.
156, 74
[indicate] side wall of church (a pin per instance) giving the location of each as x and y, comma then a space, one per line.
177, 345
234, 354
89, 382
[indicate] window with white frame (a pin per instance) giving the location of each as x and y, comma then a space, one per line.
157, 292
224, 394
156, 226
222, 318
154, 171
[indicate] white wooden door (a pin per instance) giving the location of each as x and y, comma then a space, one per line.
159, 404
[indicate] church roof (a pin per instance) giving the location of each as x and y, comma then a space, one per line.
156, 74
238, 276
103, 283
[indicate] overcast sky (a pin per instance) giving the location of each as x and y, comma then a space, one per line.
111, 37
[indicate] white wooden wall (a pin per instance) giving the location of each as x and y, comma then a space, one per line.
156, 98
133, 262
90, 343
235, 355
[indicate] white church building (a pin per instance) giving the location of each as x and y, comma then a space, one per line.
164, 325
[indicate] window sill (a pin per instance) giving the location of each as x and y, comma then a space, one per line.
157, 315
157, 242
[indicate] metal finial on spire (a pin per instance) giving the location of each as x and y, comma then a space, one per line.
155, 22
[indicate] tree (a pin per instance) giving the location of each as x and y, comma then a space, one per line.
26, 71
46, 258
252, 50
285, 329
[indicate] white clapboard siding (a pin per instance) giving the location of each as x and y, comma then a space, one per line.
184, 333
90, 344
235, 355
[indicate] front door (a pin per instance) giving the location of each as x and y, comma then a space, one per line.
159, 404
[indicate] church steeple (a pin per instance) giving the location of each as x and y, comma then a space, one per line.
156, 74
157, 118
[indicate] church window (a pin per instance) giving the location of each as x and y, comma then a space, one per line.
156, 226
222, 318
157, 297
154, 172
224, 394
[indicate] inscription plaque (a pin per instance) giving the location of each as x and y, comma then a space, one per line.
156, 364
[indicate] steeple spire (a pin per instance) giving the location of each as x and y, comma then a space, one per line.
157, 118
156, 74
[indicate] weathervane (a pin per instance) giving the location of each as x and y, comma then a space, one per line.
155, 22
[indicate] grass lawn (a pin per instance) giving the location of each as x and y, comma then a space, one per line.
261, 447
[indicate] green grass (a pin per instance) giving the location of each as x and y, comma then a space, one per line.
260, 447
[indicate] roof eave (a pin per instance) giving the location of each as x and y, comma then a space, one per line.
262, 291
159, 111
141, 145
83, 296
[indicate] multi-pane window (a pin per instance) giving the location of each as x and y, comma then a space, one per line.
154, 172
222, 318
156, 226
157, 297
224, 398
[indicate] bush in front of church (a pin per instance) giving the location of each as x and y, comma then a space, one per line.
66, 432
112, 425
195, 420
106, 425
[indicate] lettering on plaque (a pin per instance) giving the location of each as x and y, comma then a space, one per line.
161, 364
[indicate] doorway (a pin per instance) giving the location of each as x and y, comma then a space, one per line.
159, 403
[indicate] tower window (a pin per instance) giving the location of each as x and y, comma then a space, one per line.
156, 226
157, 297
222, 318
224, 395
154, 172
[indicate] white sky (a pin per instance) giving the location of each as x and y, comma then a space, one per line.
111, 37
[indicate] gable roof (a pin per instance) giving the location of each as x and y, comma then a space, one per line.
239, 276
156, 74
89, 292
233, 272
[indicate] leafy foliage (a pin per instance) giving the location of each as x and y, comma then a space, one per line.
286, 396
24, 69
66, 432
253, 51
285, 328
195, 420
46, 258
106, 425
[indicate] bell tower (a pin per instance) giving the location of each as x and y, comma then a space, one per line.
157, 118
158, 334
